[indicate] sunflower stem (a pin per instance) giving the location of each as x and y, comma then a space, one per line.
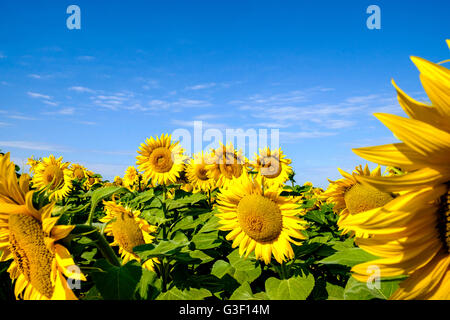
99, 240
164, 227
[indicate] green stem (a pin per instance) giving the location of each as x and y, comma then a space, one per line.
100, 241
164, 212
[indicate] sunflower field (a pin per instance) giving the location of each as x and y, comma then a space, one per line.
219, 226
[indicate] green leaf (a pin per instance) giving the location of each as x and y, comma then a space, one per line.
211, 225
143, 197
117, 283
206, 240
355, 290
244, 292
295, 288
104, 193
188, 294
164, 248
149, 284
220, 268
349, 257
243, 269
335, 292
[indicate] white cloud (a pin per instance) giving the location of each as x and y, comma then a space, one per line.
4, 124
39, 95
31, 145
35, 76
201, 86
63, 111
19, 117
81, 89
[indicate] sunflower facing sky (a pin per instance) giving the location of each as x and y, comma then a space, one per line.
29, 237
197, 172
411, 234
54, 175
351, 197
273, 167
128, 231
259, 220
161, 159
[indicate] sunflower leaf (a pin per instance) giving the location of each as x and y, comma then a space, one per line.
348, 257
295, 288
117, 283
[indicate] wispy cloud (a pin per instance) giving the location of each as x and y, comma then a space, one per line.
32, 145
35, 76
63, 112
2, 56
81, 89
4, 124
20, 117
201, 86
39, 95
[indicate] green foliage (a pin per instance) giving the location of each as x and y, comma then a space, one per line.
194, 261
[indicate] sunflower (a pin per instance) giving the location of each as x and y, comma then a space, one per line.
272, 166
32, 163
118, 181
351, 197
78, 171
131, 178
53, 175
197, 173
411, 234
91, 180
259, 220
128, 231
28, 237
161, 160
225, 164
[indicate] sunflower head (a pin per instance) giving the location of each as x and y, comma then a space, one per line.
197, 172
54, 176
160, 159
259, 219
118, 181
352, 197
28, 237
272, 165
131, 178
78, 171
128, 231
225, 164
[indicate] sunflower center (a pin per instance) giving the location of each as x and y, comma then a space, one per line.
161, 159
202, 173
30, 253
127, 233
270, 167
444, 220
259, 217
53, 175
361, 198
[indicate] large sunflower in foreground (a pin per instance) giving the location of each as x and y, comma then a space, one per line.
128, 230
411, 234
272, 166
52, 174
351, 197
161, 159
259, 220
197, 172
225, 164
28, 236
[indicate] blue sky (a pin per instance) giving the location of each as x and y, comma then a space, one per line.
311, 69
